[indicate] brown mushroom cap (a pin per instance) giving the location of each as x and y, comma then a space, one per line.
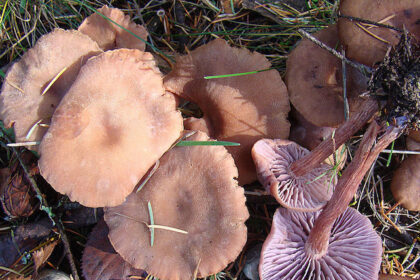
193, 190
306, 193
110, 36
314, 81
354, 250
101, 262
112, 125
239, 109
367, 48
412, 145
21, 99
405, 185
415, 135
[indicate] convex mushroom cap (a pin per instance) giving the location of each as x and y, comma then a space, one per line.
314, 81
405, 185
112, 125
101, 262
368, 44
351, 244
110, 36
240, 109
23, 100
192, 190
300, 193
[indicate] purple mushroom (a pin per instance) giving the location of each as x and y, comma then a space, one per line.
301, 193
314, 237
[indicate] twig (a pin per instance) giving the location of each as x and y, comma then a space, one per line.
362, 68
371, 22
344, 74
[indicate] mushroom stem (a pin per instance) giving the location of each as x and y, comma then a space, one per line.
317, 244
341, 135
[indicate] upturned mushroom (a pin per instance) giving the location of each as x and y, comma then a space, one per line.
188, 220
35, 84
109, 35
112, 125
240, 109
354, 250
368, 43
405, 185
315, 251
301, 193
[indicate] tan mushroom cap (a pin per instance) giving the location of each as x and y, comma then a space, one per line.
314, 81
110, 36
192, 190
21, 99
405, 185
113, 124
367, 48
240, 109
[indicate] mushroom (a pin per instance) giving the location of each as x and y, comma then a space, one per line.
193, 190
109, 35
312, 253
240, 109
310, 136
35, 84
352, 244
114, 122
101, 262
301, 193
405, 185
314, 81
368, 44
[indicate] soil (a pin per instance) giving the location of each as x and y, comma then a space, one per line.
397, 80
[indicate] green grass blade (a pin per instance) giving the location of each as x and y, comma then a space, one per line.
388, 162
206, 143
236, 74
152, 222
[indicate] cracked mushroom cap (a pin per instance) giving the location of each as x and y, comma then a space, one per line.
315, 83
369, 44
110, 128
108, 35
22, 103
354, 250
192, 190
305, 193
405, 185
101, 262
240, 109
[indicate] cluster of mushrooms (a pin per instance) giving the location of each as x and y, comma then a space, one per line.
105, 122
